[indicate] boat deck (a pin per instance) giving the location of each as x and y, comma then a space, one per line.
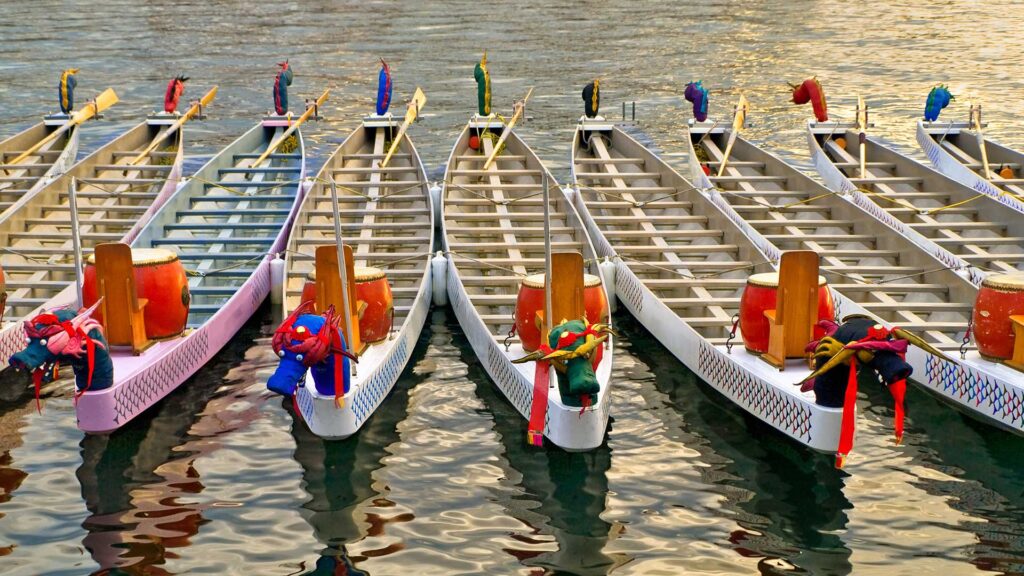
17, 179
684, 256
37, 254
384, 213
955, 217
962, 144
494, 226
227, 218
869, 264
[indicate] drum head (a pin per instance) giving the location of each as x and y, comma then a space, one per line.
771, 280
144, 257
1013, 282
537, 281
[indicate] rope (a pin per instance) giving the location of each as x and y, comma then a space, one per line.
205, 273
859, 277
636, 203
240, 193
692, 276
504, 202
49, 260
379, 197
1005, 192
485, 263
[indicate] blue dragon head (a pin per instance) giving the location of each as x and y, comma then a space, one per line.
309, 341
64, 336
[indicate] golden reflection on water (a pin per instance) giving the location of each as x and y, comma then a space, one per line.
440, 477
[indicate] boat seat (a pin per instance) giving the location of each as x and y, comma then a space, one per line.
211, 240
122, 309
228, 212
215, 226
241, 198
260, 170
791, 323
329, 290
1017, 359
273, 156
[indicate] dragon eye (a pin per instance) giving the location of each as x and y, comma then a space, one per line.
298, 357
280, 353
43, 341
28, 340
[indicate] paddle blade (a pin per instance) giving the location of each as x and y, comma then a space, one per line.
208, 97
419, 99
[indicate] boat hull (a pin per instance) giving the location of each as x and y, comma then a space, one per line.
141, 381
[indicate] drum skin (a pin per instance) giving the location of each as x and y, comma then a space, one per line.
761, 294
999, 297
159, 278
531, 300
373, 288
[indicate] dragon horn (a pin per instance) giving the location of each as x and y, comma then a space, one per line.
583, 350
919, 342
84, 315
531, 357
834, 361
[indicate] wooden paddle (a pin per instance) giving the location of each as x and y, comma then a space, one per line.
976, 125
294, 126
520, 107
862, 124
105, 100
739, 119
419, 99
188, 115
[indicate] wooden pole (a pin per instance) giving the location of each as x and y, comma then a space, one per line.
520, 108
295, 126
862, 123
76, 240
419, 99
739, 119
342, 266
548, 274
976, 121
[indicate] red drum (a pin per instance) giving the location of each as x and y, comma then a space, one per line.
373, 288
759, 295
159, 278
531, 301
1000, 296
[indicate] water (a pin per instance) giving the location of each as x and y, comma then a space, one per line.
219, 478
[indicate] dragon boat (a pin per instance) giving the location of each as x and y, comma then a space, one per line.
369, 207
964, 228
158, 310
118, 188
681, 264
52, 146
503, 240
961, 151
876, 271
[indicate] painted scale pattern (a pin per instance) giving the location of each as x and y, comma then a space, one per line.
139, 393
627, 287
779, 409
964, 385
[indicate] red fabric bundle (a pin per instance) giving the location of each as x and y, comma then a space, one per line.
810, 91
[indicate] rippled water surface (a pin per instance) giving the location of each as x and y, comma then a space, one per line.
220, 479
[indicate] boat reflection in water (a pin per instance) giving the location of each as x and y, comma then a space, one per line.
140, 484
338, 474
562, 493
788, 503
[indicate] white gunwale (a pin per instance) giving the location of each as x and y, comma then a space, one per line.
226, 223
681, 266
493, 234
873, 269
388, 220
113, 205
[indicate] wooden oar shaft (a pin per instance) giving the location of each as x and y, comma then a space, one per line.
508, 130
976, 120
737, 124
862, 121
417, 103
105, 100
188, 115
294, 126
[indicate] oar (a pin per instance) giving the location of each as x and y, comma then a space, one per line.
105, 100
976, 120
508, 130
295, 126
419, 99
862, 123
739, 119
188, 115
